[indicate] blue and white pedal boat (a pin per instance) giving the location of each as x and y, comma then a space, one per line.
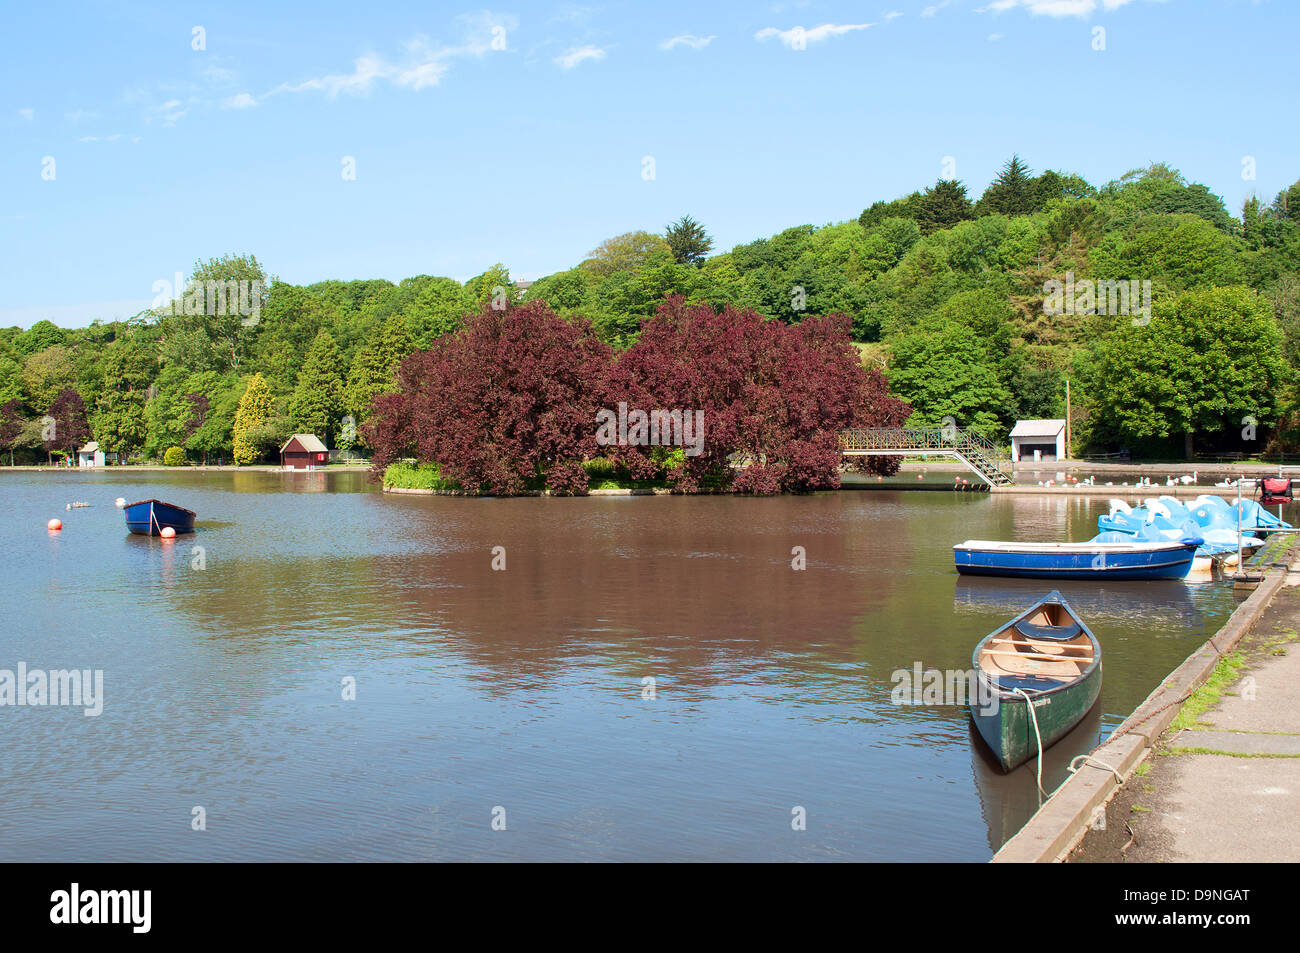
1132, 559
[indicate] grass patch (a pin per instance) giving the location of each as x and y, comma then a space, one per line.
1191, 749
1208, 695
1139, 809
1142, 769
605, 475
405, 475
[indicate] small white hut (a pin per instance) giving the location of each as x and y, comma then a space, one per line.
1038, 440
92, 456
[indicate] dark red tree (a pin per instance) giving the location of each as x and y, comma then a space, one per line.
509, 399
66, 427
11, 426
775, 397
199, 407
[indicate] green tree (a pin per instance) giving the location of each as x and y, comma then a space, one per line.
1013, 192
625, 252
1206, 360
492, 287
688, 241
46, 373
942, 205
562, 291
944, 370
41, 335
119, 419
219, 315
212, 435
1287, 203
254, 411
317, 400
432, 307
374, 368
898, 208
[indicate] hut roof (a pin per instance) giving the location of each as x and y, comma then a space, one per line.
1037, 428
307, 442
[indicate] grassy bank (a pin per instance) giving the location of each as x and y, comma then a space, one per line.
603, 475
405, 475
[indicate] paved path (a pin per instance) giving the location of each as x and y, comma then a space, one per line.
1227, 790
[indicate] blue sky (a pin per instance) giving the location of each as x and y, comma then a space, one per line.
467, 154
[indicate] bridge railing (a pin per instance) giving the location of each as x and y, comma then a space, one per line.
919, 439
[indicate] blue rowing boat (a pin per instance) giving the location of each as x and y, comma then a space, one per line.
151, 517
1136, 559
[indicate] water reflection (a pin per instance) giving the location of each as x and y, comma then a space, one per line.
525, 686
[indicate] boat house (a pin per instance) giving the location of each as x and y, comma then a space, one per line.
1038, 440
303, 451
92, 456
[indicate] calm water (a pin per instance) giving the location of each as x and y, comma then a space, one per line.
522, 689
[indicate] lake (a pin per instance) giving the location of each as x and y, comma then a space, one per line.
517, 697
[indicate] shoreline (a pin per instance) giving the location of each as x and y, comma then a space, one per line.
1135, 493
213, 468
1065, 818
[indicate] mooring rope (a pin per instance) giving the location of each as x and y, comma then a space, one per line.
1029, 703
1074, 766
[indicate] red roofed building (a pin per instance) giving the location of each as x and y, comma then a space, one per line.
303, 450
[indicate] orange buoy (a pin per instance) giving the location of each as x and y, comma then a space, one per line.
920, 476
879, 479
167, 533
55, 525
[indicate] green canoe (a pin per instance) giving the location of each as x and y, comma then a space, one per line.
1047, 653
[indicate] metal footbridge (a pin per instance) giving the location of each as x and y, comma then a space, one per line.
976, 452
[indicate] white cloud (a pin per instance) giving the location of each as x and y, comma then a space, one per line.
28, 114
687, 39
892, 14
935, 8
365, 71
1056, 8
1061, 8
240, 101
218, 74
424, 64
815, 35
579, 55
994, 37
113, 138
171, 112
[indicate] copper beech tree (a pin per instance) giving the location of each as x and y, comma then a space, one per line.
775, 396
512, 400
508, 399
